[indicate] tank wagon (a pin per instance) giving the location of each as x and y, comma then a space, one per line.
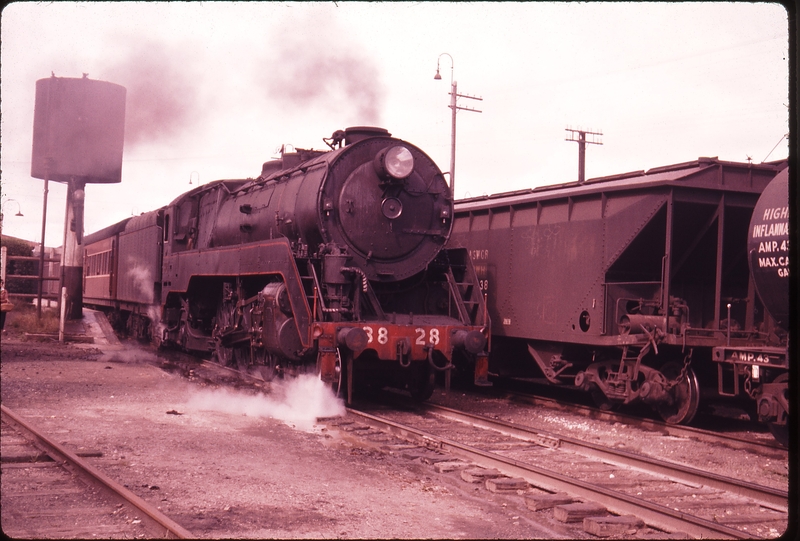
332, 260
636, 287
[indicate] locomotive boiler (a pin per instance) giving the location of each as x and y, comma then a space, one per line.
329, 259
636, 287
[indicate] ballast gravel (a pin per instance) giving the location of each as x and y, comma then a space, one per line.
226, 470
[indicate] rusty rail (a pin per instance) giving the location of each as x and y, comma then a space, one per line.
61, 454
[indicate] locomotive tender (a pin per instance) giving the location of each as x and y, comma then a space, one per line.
636, 287
333, 259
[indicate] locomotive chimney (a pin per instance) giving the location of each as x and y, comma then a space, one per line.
358, 133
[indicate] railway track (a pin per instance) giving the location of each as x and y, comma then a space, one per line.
49, 491
681, 431
665, 497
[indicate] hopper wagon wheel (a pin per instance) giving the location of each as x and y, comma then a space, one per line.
685, 395
599, 398
602, 402
781, 431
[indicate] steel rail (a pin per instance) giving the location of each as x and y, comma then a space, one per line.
650, 424
772, 498
653, 514
171, 528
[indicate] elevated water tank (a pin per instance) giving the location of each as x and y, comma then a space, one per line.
78, 130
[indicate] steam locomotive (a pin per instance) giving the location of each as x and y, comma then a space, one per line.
328, 260
636, 287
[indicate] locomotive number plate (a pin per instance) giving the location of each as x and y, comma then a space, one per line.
423, 336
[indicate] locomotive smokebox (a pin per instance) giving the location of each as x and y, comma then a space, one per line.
78, 130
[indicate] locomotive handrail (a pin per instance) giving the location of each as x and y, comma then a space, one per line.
318, 297
284, 174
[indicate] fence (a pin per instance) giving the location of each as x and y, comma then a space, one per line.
21, 274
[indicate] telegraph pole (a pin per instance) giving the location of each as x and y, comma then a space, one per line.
581, 140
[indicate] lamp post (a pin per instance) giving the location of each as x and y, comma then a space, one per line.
454, 107
7, 201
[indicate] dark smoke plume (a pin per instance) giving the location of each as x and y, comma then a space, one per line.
304, 64
162, 100
313, 64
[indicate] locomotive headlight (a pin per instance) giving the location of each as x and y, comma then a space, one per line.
394, 163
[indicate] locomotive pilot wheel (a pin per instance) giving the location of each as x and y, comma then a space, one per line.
339, 384
685, 395
602, 402
342, 384
422, 381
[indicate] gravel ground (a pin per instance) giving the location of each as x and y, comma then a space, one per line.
223, 466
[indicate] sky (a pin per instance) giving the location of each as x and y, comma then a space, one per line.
214, 89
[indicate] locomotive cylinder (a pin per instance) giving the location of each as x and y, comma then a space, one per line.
278, 329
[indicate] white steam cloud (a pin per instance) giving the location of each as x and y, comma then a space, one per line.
133, 355
298, 402
143, 282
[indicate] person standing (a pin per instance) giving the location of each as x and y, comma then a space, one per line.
4, 305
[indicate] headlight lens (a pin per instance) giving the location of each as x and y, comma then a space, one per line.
397, 162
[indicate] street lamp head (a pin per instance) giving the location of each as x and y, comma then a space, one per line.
438, 77
19, 207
